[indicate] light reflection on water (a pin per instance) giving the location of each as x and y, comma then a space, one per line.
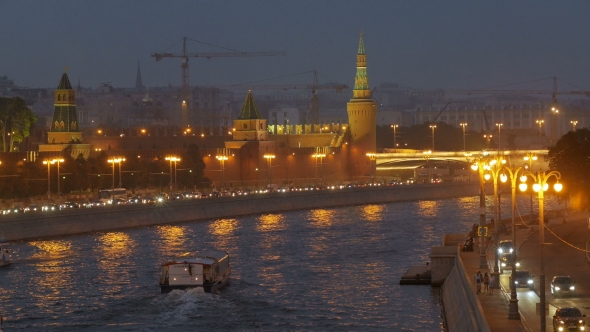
324, 269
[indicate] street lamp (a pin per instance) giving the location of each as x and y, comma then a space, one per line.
172, 159
499, 125
222, 160
574, 123
530, 157
394, 126
488, 138
372, 158
540, 186
116, 161
513, 307
427, 157
494, 168
540, 123
48, 163
479, 165
432, 127
463, 124
269, 158
321, 156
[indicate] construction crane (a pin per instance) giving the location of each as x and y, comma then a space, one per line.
185, 72
314, 86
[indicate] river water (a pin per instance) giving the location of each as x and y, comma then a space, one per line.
333, 269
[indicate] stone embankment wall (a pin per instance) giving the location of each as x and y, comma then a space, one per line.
462, 310
75, 221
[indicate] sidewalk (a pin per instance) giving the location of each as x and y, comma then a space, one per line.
496, 306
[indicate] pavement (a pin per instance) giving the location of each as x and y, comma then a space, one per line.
562, 256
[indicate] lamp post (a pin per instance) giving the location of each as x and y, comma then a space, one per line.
372, 158
116, 161
488, 138
530, 157
513, 307
222, 160
432, 127
463, 124
269, 158
540, 123
48, 163
479, 165
499, 125
321, 156
172, 159
427, 157
394, 126
574, 123
540, 186
494, 168
58, 182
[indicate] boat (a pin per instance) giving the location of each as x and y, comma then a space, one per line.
4, 256
209, 270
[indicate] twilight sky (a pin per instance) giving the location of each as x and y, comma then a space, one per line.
423, 44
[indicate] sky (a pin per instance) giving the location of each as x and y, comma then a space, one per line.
421, 44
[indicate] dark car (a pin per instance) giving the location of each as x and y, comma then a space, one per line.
147, 199
507, 260
50, 207
176, 196
134, 200
32, 208
568, 319
69, 205
524, 279
562, 285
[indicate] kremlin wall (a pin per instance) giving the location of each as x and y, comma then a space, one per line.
253, 154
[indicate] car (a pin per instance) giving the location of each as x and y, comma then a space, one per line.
49, 207
524, 279
69, 205
161, 198
176, 196
187, 194
134, 200
119, 201
15, 209
95, 203
568, 318
562, 285
32, 208
505, 246
247, 192
507, 260
196, 194
147, 199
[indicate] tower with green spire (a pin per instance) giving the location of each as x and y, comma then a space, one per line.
250, 126
64, 124
362, 118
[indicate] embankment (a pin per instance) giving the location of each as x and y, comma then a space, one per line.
76, 221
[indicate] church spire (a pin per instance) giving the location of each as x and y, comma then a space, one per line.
138, 82
361, 80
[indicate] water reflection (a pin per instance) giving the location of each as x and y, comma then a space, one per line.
224, 230
270, 223
173, 239
428, 208
321, 218
372, 212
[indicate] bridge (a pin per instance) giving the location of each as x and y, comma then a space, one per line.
408, 159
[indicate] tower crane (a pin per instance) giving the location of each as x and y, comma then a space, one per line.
314, 86
185, 72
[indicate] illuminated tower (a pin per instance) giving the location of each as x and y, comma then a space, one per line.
362, 115
250, 126
64, 124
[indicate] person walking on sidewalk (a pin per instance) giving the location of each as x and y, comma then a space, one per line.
478, 280
486, 283
492, 284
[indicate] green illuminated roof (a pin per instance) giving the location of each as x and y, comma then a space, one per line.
64, 83
249, 109
361, 45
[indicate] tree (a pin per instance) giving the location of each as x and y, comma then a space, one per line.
571, 157
16, 120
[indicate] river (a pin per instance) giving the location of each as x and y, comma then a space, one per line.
334, 269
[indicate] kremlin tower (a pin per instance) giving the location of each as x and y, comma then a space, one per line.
362, 115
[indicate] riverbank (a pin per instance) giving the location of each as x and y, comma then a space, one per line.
76, 221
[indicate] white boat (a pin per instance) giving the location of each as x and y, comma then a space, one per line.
207, 269
4, 256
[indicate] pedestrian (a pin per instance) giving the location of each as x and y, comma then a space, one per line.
492, 284
486, 283
478, 280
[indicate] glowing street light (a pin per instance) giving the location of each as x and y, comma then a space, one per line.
540, 186
373, 159
427, 157
488, 138
529, 158
499, 125
540, 123
114, 161
432, 127
222, 159
321, 156
463, 124
269, 157
394, 126
172, 159
49, 162
494, 168
479, 165
574, 123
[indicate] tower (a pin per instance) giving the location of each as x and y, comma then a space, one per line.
64, 124
138, 81
362, 115
250, 126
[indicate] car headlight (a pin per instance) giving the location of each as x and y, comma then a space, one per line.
572, 287
500, 250
503, 264
582, 328
517, 264
529, 281
580, 321
511, 250
557, 288
516, 282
